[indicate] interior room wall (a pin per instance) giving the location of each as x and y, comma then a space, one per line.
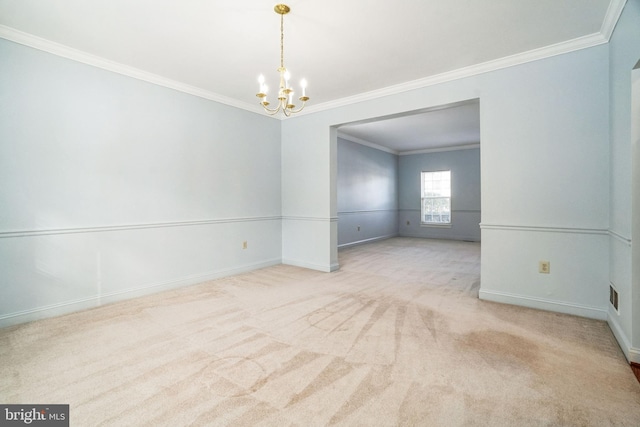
367, 184
111, 187
544, 178
624, 255
465, 193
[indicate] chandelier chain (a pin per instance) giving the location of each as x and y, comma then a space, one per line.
281, 40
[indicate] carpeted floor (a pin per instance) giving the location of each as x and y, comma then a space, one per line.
397, 336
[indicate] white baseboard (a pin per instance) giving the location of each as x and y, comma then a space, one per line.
457, 238
621, 337
544, 304
98, 300
365, 241
632, 354
311, 266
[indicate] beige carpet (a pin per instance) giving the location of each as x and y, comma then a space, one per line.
396, 337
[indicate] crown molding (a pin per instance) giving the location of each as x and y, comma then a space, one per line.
440, 149
609, 23
611, 18
473, 70
58, 49
409, 152
366, 143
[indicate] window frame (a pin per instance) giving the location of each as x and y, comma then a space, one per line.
424, 223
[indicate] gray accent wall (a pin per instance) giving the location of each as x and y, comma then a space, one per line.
378, 193
367, 193
465, 194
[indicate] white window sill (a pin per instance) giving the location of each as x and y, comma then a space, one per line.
434, 225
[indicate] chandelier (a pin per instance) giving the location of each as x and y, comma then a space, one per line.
285, 93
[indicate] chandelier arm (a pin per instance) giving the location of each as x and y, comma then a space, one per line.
272, 111
299, 109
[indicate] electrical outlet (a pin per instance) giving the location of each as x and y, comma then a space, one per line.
358, 228
244, 245
408, 223
544, 267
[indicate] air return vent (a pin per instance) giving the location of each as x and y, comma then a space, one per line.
613, 297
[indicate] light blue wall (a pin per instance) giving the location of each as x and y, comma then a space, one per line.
111, 187
465, 193
544, 178
367, 193
624, 251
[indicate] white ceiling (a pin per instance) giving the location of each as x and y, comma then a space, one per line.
456, 125
347, 50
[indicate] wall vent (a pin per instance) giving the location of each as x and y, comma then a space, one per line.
613, 297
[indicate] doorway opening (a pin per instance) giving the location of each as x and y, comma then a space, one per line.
380, 162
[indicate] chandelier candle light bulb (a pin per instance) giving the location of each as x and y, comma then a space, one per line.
303, 85
263, 87
285, 93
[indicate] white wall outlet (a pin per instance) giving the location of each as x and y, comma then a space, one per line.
544, 267
244, 245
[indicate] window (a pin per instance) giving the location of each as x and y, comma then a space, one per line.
436, 198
